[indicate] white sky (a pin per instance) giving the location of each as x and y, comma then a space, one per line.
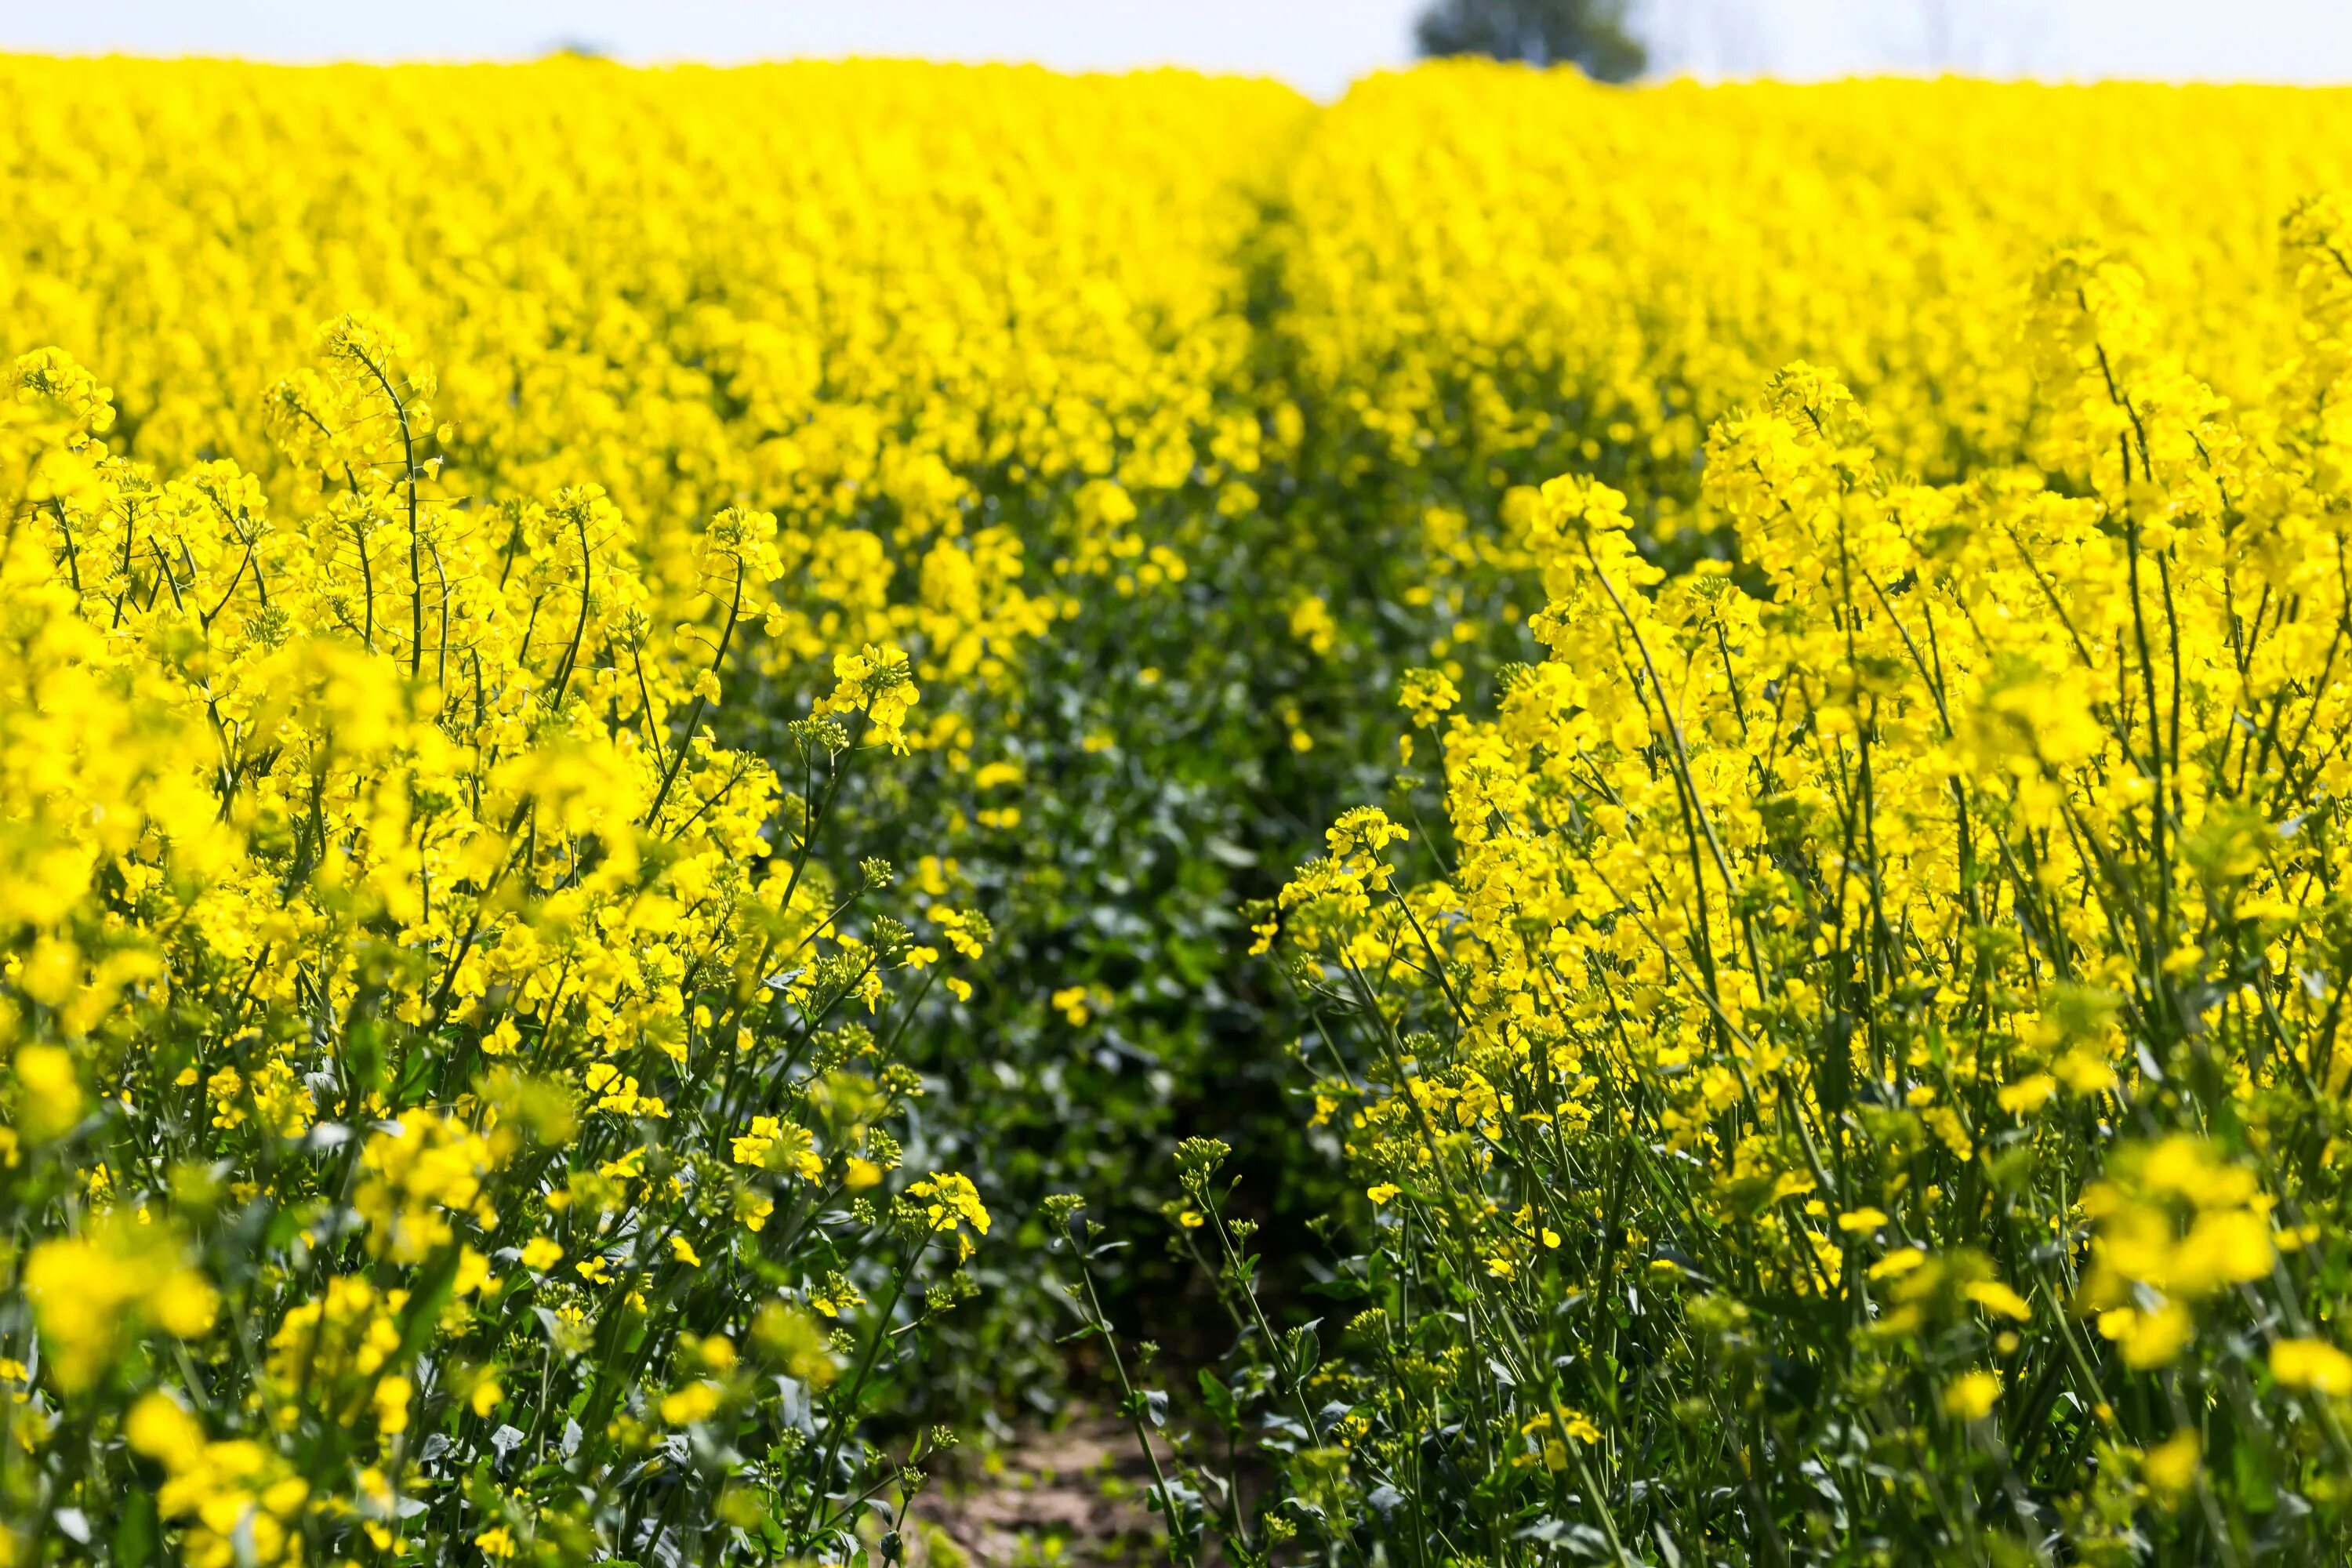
1318, 44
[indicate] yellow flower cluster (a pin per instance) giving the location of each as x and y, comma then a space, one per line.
1493, 276
1495, 265
375, 894
1921, 927
92, 1294
410, 997
690, 288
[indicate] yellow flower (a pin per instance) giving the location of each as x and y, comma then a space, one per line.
1365, 830
419, 1170
1970, 1396
1995, 1297
781, 1146
2148, 1339
93, 1294
2313, 1365
1311, 623
2028, 1094
2171, 1466
877, 682
696, 1402
1071, 1003
952, 1203
49, 1096
1426, 694
390, 1400
166, 1433
1897, 1263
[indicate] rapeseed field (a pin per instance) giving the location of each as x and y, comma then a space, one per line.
651, 723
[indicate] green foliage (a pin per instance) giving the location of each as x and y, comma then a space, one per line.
1591, 35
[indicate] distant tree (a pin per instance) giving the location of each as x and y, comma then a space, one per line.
1589, 34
